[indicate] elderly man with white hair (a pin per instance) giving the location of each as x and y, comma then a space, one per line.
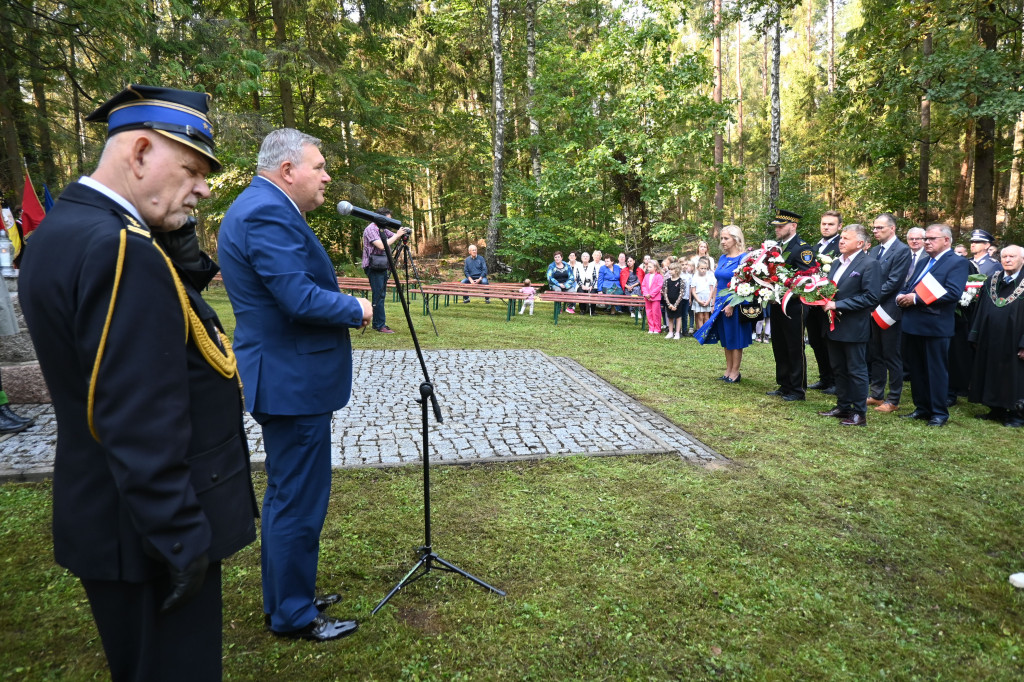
998, 331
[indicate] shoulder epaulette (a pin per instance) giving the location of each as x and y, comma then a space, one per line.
133, 225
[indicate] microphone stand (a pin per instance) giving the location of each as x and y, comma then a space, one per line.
428, 560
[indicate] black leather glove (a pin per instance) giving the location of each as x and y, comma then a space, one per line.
182, 245
185, 584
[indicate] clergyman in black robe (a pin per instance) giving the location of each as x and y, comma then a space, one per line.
998, 331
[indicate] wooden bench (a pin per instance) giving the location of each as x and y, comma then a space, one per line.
562, 297
455, 291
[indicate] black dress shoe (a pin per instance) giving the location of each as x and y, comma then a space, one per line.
6, 411
818, 385
993, 415
775, 392
733, 381
322, 601
916, 414
322, 629
835, 412
855, 419
1014, 422
9, 425
831, 390
790, 397
938, 421
950, 402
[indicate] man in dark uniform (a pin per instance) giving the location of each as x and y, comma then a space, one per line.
828, 245
788, 324
986, 264
151, 483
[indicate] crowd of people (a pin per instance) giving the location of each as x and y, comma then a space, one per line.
899, 314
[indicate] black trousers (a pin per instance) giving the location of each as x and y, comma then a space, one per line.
817, 324
850, 369
142, 644
927, 358
788, 348
885, 362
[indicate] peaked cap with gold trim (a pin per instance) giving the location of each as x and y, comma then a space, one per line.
180, 115
784, 217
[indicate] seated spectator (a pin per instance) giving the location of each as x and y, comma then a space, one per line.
585, 273
561, 279
475, 270
630, 279
608, 280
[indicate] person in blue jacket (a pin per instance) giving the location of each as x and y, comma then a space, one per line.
295, 358
561, 278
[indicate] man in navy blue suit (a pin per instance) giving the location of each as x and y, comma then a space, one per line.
858, 283
929, 299
295, 358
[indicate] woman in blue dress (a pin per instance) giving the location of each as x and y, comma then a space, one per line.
727, 325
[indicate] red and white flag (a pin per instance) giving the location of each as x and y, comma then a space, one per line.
882, 318
929, 290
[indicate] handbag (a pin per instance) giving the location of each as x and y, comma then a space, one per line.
378, 261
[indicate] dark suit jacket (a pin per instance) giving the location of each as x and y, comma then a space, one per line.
831, 249
894, 265
292, 322
856, 296
169, 469
936, 319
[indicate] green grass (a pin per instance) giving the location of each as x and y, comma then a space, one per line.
823, 553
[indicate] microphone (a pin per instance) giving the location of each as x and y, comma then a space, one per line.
345, 209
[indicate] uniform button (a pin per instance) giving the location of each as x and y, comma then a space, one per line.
176, 549
214, 477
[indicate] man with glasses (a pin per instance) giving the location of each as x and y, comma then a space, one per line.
885, 361
929, 300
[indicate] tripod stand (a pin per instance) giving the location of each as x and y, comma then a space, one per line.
428, 560
405, 254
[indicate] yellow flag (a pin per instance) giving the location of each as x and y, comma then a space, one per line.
12, 232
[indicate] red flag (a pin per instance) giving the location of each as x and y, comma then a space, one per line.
32, 212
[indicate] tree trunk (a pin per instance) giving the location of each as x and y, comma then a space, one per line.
831, 45
76, 105
531, 79
776, 124
283, 80
984, 143
253, 19
43, 122
9, 89
926, 124
739, 109
1013, 199
499, 138
963, 181
716, 222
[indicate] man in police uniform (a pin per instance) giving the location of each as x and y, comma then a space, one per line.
986, 264
788, 325
151, 483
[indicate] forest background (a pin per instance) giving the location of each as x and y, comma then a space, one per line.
535, 125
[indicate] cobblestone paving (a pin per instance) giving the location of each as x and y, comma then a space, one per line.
497, 406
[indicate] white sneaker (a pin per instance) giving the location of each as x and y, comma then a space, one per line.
1017, 579
676, 336
668, 336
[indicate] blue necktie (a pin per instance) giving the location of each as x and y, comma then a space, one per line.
925, 271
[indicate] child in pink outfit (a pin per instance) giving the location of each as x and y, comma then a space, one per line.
651, 289
529, 292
